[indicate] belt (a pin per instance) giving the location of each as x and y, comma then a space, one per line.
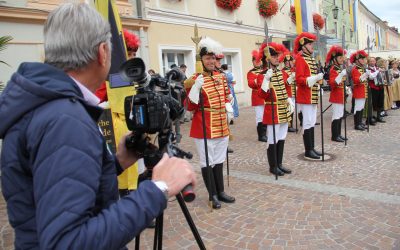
214, 110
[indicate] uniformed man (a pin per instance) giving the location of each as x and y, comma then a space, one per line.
360, 89
308, 82
256, 101
337, 78
278, 107
212, 87
288, 72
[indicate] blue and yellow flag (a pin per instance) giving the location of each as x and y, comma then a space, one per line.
304, 21
116, 96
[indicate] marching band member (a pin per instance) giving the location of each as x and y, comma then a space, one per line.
360, 89
337, 81
256, 101
308, 82
212, 86
278, 107
289, 73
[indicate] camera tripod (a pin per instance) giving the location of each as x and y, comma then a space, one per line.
151, 158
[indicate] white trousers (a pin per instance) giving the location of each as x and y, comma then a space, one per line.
216, 150
359, 104
309, 115
280, 132
259, 113
337, 111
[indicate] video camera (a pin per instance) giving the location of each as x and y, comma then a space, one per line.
153, 109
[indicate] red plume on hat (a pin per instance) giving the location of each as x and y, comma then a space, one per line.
132, 41
286, 56
334, 52
219, 56
256, 56
303, 39
274, 48
357, 55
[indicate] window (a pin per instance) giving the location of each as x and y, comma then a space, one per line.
232, 57
178, 55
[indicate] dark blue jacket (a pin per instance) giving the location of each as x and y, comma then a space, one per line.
58, 178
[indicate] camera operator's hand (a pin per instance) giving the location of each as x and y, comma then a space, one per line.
175, 172
126, 157
195, 90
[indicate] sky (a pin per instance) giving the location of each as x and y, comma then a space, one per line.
386, 10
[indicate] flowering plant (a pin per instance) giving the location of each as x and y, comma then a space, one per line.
230, 5
267, 8
318, 21
293, 14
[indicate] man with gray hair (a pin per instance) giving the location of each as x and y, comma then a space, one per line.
58, 177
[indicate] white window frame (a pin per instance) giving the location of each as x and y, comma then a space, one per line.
237, 71
189, 56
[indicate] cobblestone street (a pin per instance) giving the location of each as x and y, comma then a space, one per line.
350, 201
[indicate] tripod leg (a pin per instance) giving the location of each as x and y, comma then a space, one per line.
189, 220
137, 242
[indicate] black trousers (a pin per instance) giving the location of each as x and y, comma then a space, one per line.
378, 97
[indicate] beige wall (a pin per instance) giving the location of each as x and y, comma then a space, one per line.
177, 35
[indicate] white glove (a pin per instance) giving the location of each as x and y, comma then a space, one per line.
195, 90
290, 106
266, 82
291, 78
364, 77
348, 90
339, 78
229, 111
312, 80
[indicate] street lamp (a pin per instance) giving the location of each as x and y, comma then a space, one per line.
335, 12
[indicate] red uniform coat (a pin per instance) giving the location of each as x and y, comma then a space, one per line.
252, 82
337, 94
305, 67
279, 97
359, 89
215, 94
286, 73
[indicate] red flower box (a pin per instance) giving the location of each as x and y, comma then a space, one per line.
319, 21
267, 8
230, 5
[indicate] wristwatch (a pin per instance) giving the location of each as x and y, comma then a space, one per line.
163, 187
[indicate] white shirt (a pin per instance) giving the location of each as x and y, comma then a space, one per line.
87, 94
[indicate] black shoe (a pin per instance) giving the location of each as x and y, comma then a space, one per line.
231, 122
215, 202
379, 119
338, 139
230, 151
359, 127
310, 154
317, 123
284, 170
291, 130
343, 138
316, 152
276, 171
226, 198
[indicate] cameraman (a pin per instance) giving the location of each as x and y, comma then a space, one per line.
58, 178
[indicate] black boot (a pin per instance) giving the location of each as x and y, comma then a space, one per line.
379, 117
340, 131
313, 143
262, 132
290, 128
310, 154
300, 115
357, 121
211, 187
336, 131
219, 183
280, 146
273, 161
